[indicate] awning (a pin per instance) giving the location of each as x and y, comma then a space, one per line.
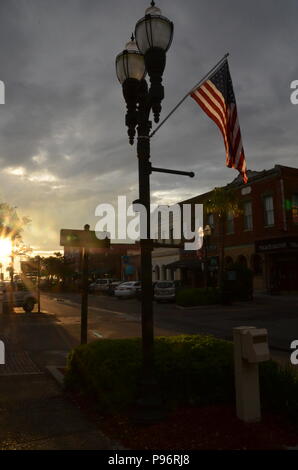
185, 264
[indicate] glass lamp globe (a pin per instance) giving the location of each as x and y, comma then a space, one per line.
130, 63
154, 30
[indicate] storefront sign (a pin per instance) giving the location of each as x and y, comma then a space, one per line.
276, 244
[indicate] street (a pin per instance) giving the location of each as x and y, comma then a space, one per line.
113, 318
47, 337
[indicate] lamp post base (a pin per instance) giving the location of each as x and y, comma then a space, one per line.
149, 406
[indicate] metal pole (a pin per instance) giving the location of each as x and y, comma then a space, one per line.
84, 305
38, 284
143, 149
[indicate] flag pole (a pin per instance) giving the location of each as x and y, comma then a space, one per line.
187, 94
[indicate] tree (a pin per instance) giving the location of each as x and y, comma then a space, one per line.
56, 267
221, 203
12, 226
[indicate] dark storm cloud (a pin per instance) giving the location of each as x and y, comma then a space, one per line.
63, 121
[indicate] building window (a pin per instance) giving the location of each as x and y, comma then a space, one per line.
268, 210
248, 216
256, 264
295, 208
230, 223
210, 220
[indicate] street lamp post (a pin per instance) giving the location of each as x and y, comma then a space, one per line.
207, 234
146, 52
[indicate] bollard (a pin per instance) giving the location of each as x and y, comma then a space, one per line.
250, 348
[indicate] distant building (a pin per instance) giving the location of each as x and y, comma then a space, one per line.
120, 261
263, 238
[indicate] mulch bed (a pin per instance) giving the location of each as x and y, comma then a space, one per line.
213, 427
198, 428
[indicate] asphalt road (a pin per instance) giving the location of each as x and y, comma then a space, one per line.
47, 337
111, 318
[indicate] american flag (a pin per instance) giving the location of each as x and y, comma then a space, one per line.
216, 97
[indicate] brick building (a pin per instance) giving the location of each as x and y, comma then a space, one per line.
264, 237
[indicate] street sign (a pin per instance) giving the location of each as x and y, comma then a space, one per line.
82, 239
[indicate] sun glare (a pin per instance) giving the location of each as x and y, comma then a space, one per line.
5, 247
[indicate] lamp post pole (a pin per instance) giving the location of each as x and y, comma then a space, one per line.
147, 53
143, 152
207, 234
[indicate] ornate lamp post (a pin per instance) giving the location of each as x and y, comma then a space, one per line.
146, 53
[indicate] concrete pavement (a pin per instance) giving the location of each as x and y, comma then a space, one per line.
34, 412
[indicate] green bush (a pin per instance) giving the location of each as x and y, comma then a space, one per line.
189, 369
279, 389
198, 296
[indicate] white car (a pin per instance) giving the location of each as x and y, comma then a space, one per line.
127, 289
101, 285
165, 290
23, 296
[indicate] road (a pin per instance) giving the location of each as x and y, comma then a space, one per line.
47, 337
110, 317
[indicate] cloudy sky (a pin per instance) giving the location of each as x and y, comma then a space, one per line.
64, 148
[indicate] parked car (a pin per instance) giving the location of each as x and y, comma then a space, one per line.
101, 285
113, 286
165, 291
23, 296
127, 289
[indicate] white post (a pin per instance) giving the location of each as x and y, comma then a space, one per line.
250, 348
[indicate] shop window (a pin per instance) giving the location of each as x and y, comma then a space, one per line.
268, 210
230, 223
228, 261
210, 220
295, 208
257, 264
248, 216
242, 261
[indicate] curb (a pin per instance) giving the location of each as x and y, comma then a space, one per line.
56, 374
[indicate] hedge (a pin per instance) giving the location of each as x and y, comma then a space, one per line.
190, 369
191, 297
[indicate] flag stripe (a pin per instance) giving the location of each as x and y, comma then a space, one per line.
213, 115
216, 97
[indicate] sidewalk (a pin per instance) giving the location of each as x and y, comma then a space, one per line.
35, 415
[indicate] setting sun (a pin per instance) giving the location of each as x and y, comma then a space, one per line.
5, 247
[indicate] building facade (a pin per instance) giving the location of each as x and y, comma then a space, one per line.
264, 237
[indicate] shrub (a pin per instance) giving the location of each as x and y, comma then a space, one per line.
279, 389
189, 369
196, 369
198, 296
